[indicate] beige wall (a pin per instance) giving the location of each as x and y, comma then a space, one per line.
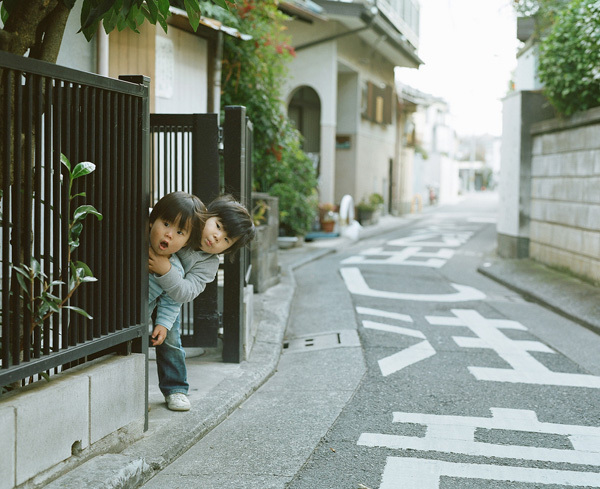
181, 72
134, 54
565, 195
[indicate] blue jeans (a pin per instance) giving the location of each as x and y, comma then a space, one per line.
170, 362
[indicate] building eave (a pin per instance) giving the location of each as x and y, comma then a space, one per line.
381, 34
179, 19
298, 9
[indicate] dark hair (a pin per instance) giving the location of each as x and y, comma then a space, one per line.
236, 221
187, 209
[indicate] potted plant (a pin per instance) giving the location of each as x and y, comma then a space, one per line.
369, 210
327, 217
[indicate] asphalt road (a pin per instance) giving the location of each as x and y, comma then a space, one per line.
405, 368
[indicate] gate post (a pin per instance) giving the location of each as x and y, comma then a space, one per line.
205, 185
237, 169
141, 201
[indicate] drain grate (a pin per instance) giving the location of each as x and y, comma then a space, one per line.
322, 341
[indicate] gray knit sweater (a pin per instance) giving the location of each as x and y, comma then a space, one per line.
200, 269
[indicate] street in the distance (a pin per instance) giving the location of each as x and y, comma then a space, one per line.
406, 368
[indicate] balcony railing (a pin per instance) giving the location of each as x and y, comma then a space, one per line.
404, 14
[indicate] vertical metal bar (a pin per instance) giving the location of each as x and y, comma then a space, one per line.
6, 209
234, 135
115, 323
137, 209
165, 164
204, 158
107, 220
86, 252
37, 191
98, 195
119, 223
49, 338
17, 221
68, 339
77, 325
26, 131
56, 172
127, 164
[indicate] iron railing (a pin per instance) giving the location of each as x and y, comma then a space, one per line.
47, 110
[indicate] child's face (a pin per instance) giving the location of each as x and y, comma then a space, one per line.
167, 238
214, 237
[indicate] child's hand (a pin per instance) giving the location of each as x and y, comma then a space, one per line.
158, 264
158, 335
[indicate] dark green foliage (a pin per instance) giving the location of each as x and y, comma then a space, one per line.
253, 74
569, 51
569, 64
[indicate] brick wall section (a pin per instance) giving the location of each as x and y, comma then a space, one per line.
565, 194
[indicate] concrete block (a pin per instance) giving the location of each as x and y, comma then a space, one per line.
51, 418
591, 244
591, 192
591, 136
7, 446
117, 393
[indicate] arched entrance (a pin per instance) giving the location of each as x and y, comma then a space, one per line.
304, 110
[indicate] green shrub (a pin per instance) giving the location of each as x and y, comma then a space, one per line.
569, 60
253, 75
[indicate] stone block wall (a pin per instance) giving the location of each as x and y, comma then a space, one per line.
265, 268
565, 194
47, 428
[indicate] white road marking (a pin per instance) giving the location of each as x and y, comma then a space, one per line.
525, 368
377, 256
415, 333
456, 434
415, 473
384, 314
485, 220
453, 240
406, 357
356, 284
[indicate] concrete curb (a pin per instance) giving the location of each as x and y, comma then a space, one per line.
139, 462
561, 293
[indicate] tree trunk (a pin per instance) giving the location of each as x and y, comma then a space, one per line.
36, 26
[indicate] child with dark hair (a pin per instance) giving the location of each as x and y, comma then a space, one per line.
226, 227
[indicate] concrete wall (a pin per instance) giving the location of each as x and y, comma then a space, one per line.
565, 194
75, 51
520, 111
84, 411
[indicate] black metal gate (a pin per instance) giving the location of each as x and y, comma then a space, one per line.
186, 156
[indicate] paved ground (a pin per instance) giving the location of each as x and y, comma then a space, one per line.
218, 388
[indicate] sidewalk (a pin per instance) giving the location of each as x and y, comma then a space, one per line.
218, 388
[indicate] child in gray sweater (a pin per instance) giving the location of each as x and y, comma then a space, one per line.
227, 227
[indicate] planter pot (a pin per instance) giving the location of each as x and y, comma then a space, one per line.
367, 218
327, 226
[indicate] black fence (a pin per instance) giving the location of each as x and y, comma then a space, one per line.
46, 111
186, 156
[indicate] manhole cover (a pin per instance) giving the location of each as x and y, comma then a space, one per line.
322, 341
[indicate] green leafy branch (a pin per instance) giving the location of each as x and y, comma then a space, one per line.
45, 304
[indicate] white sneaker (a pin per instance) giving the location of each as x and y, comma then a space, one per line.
178, 402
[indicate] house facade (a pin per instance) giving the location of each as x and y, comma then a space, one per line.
341, 95
184, 66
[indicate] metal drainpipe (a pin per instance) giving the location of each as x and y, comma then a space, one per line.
102, 51
367, 16
216, 91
